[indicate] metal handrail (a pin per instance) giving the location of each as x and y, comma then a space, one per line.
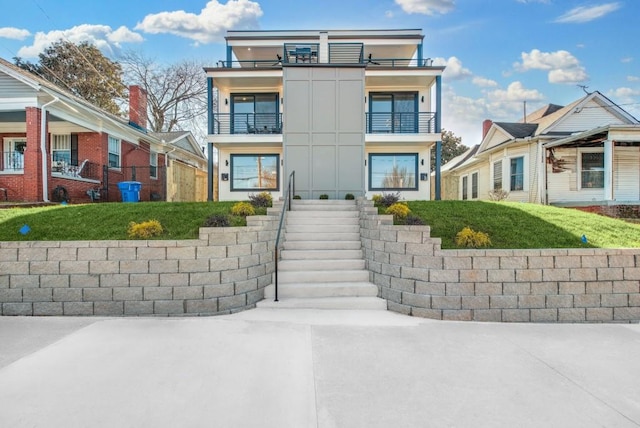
291, 188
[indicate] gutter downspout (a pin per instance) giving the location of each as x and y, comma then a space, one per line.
43, 148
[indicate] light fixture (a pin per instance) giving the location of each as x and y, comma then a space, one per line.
365, 100
226, 162
226, 101
422, 162
422, 99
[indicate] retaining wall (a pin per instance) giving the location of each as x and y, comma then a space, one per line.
223, 271
417, 278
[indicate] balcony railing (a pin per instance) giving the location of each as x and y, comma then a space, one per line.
246, 123
12, 162
401, 123
275, 63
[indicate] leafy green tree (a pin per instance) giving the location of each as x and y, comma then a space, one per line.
451, 147
83, 70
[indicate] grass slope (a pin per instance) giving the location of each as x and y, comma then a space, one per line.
519, 225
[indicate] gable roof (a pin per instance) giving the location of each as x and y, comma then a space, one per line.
460, 159
181, 139
518, 130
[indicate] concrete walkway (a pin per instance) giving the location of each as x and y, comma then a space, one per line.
314, 368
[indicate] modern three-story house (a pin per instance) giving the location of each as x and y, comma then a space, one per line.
353, 111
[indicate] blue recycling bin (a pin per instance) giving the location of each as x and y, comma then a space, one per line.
130, 191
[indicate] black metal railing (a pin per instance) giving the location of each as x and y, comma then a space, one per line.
400, 123
247, 123
291, 190
397, 62
12, 161
275, 63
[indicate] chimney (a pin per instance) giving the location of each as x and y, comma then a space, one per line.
486, 125
138, 106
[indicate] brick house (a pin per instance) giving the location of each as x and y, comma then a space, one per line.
56, 145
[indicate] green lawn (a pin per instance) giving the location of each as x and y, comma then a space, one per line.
519, 225
509, 225
180, 220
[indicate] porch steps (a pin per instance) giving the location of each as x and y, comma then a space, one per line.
321, 265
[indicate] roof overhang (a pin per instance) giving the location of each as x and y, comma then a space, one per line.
619, 133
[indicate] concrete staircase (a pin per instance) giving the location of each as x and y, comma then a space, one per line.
321, 265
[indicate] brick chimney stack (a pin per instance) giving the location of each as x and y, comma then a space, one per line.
486, 125
138, 106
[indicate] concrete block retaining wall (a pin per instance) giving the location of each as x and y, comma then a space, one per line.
417, 278
223, 271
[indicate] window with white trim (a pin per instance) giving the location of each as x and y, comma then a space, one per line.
592, 170
153, 164
114, 152
516, 173
61, 149
13, 155
465, 187
497, 175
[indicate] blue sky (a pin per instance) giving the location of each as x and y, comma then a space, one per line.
498, 53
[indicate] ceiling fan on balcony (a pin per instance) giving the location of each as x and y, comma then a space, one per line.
279, 60
371, 61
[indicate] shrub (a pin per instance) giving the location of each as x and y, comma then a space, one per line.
498, 195
398, 210
217, 220
324, 196
376, 199
349, 197
414, 220
261, 200
469, 238
388, 199
145, 230
297, 197
243, 209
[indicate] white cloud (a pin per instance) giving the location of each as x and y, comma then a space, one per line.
582, 14
388, 14
633, 79
626, 60
14, 33
207, 27
516, 92
625, 93
426, 7
454, 70
534, 1
563, 67
483, 82
101, 36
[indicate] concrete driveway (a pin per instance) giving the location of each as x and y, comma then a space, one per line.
310, 368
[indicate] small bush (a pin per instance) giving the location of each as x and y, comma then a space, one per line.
398, 210
469, 238
243, 209
145, 230
324, 196
414, 220
349, 197
498, 195
376, 199
297, 197
388, 199
261, 200
217, 220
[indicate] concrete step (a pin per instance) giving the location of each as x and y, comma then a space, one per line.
295, 221
307, 276
320, 254
315, 213
327, 289
322, 245
320, 205
322, 228
353, 303
321, 236
320, 265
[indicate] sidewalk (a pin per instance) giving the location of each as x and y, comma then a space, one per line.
309, 368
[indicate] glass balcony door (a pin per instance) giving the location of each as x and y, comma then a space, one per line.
393, 112
255, 113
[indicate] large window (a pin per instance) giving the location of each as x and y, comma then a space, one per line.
465, 187
61, 149
114, 152
474, 185
255, 113
592, 170
255, 172
13, 154
517, 173
393, 112
497, 175
393, 171
153, 164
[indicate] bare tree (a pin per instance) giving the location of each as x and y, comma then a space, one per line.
176, 94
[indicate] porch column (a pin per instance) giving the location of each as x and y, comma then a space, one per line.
32, 173
608, 170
